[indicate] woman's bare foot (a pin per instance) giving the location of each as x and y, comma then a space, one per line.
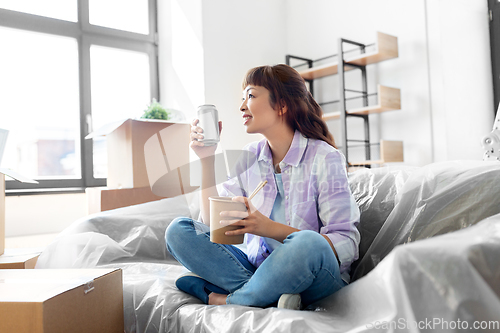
216, 299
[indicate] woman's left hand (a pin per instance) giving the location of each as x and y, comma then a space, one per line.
252, 221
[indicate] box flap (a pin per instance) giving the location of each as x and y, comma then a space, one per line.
39, 285
17, 176
106, 129
109, 128
17, 256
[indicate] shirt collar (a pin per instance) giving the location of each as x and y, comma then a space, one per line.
294, 154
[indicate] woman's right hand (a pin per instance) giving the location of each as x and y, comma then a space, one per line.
198, 147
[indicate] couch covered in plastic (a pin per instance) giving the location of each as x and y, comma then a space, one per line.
429, 259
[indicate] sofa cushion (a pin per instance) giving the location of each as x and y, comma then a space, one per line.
375, 192
436, 199
135, 233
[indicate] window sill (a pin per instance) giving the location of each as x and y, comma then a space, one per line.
44, 191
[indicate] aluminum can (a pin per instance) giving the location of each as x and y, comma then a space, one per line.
209, 121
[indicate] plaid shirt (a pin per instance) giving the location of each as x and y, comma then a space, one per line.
317, 194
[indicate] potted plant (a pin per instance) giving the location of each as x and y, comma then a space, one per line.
156, 111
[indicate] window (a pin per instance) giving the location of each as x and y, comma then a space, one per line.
68, 67
494, 11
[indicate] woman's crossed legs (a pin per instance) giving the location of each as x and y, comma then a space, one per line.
305, 264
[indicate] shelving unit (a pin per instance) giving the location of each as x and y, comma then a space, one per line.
386, 48
390, 151
388, 99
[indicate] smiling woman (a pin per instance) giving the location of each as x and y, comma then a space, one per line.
259, 115
305, 113
300, 230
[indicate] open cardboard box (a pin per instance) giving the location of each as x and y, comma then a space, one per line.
148, 160
17, 177
61, 300
132, 143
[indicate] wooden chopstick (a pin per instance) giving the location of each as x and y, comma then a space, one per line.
259, 187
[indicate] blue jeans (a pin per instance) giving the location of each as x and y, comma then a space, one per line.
305, 264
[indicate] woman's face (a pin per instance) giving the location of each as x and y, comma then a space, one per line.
257, 112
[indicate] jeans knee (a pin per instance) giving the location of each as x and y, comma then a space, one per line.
176, 230
308, 242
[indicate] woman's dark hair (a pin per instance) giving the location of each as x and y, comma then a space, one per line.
287, 87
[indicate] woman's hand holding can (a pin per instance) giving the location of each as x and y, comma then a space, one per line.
197, 145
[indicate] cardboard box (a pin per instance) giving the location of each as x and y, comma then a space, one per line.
100, 199
127, 149
19, 258
61, 300
2, 213
17, 177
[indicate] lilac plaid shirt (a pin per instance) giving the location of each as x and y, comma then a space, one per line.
317, 194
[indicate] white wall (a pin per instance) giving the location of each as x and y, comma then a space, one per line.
461, 77
443, 68
239, 35
181, 54
42, 214
218, 41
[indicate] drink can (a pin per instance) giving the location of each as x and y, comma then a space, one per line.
209, 122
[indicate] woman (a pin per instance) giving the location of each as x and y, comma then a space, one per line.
301, 234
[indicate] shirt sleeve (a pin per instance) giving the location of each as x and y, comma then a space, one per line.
338, 210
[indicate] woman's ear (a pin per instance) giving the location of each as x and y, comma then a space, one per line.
283, 108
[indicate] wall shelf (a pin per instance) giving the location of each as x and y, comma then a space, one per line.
389, 99
390, 151
386, 48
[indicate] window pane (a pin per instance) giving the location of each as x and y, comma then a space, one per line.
40, 104
129, 15
120, 90
58, 9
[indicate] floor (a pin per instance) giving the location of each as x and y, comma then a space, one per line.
32, 241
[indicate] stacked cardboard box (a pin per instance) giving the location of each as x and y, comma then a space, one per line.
19, 258
147, 160
61, 300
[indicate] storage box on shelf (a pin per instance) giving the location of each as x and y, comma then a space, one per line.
388, 99
61, 300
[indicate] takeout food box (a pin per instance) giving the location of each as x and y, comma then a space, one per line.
17, 177
19, 258
126, 141
61, 300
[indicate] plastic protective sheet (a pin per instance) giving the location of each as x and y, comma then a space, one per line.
435, 199
431, 284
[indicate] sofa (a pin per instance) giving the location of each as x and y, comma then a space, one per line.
429, 259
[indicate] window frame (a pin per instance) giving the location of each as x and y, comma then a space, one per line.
85, 35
